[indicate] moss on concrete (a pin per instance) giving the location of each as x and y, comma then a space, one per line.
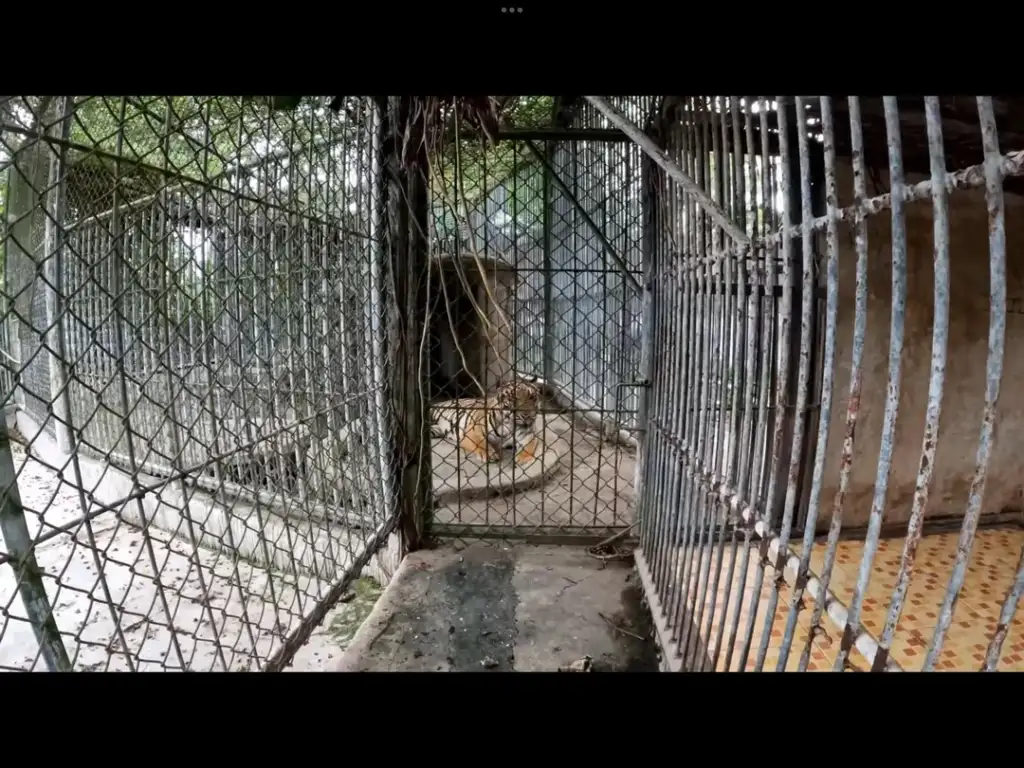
350, 615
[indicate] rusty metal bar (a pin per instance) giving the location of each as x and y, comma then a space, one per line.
620, 121
1011, 165
892, 401
1006, 613
765, 324
728, 390
782, 374
696, 501
936, 384
803, 382
713, 410
856, 372
749, 272
748, 514
720, 342
828, 368
993, 373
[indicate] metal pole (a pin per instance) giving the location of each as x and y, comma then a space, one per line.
548, 352
645, 143
616, 256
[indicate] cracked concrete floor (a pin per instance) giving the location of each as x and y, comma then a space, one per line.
505, 608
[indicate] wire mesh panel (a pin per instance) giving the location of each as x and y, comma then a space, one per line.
195, 294
535, 323
803, 504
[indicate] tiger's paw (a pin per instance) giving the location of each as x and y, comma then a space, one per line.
528, 453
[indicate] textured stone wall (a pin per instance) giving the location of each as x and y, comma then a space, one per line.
964, 398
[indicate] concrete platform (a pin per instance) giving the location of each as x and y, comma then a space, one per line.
500, 608
583, 484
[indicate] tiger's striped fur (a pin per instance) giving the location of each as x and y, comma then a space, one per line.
484, 426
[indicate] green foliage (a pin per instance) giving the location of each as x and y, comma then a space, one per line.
191, 136
481, 167
465, 172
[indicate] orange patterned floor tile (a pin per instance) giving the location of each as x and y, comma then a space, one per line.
990, 573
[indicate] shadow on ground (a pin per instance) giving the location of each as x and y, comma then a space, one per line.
505, 608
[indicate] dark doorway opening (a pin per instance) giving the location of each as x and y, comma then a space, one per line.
455, 337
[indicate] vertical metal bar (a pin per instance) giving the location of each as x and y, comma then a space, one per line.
484, 216
120, 268
828, 375
653, 451
748, 374
660, 367
670, 404
659, 453
579, 215
172, 410
936, 383
626, 401
803, 382
385, 424
361, 494
764, 287
53, 335
59, 372
782, 386
892, 401
691, 346
603, 393
208, 359
27, 573
738, 294
548, 341
1005, 617
695, 446
648, 201
282, 257
993, 372
719, 402
860, 321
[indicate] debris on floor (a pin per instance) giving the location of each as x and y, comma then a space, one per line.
586, 664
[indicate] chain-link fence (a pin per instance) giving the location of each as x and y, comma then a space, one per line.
816, 299
537, 251
194, 304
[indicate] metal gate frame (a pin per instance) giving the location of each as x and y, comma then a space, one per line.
718, 503
790, 435
540, 144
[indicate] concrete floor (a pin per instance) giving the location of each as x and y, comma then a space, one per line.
505, 608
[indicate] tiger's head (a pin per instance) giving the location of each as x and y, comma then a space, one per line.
522, 400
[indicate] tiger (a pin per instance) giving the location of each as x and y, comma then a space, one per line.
484, 426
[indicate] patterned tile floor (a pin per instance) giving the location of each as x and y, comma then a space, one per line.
989, 575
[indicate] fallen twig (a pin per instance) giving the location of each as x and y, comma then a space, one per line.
605, 551
612, 539
615, 626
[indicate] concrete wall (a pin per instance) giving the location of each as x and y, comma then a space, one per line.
964, 398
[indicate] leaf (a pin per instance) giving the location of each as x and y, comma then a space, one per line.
286, 103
